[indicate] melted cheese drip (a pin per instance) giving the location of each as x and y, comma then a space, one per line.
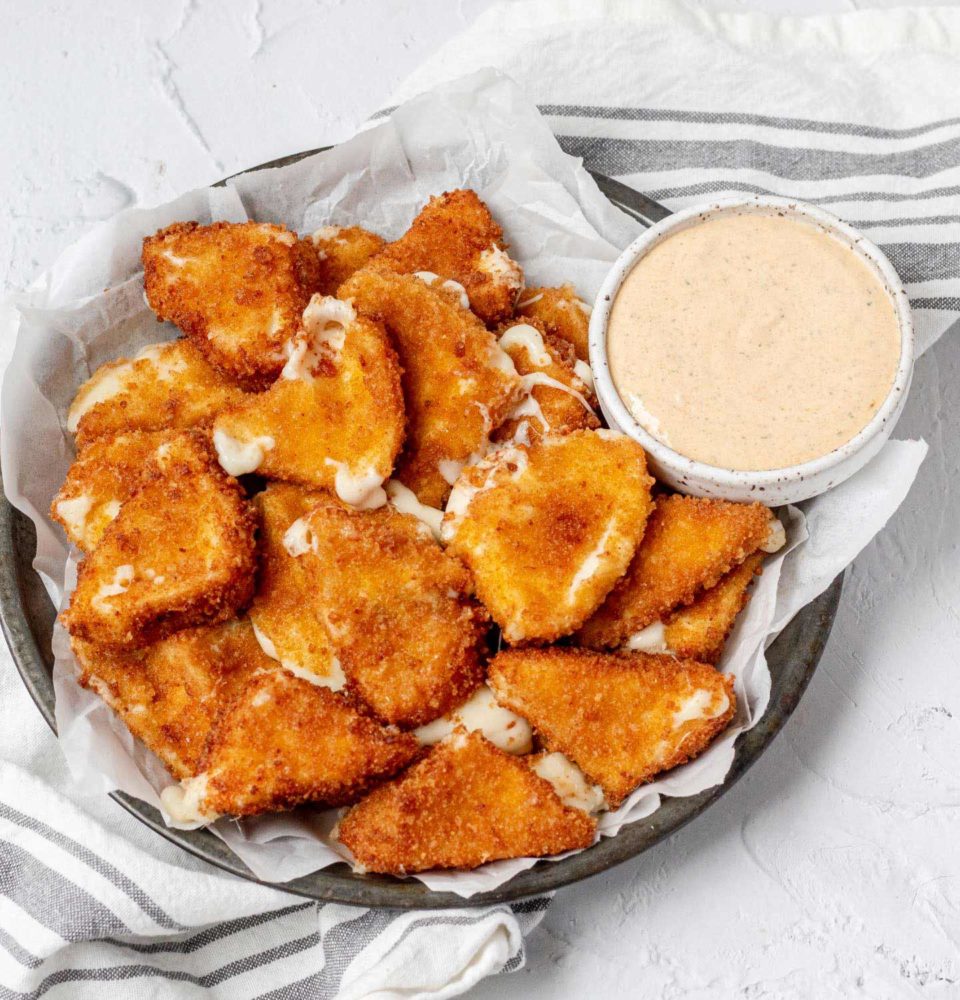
361, 490
481, 712
240, 457
570, 783
406, 502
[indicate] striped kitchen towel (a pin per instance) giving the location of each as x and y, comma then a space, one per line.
856, 113
85, 913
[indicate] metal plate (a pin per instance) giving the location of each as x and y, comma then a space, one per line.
27, 617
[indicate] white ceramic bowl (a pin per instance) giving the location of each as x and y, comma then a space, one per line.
771, 486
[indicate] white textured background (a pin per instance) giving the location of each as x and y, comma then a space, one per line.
833, 869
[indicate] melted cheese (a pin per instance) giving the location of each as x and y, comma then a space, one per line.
481, 712
240, 457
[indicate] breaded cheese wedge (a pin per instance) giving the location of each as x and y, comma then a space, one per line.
455, 236
168, 385
563, 314
457, 383
283, 741
181, 552
689, 544
398, 609
466, 803
169, 693
548, 529
621, 717
341, 251
286, 619
556, 400
106, 473
699, 630
333, 420
236, 289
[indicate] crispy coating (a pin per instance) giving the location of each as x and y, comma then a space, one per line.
556, 400
236, 289
549, 529
169, 693
689, 544
622, 717
341, 251
562, 312
283, 741
456, 237
168, 385
181, 552
335, 417
284, 610
464, 804
699, 631
457, 383
103, 477
399, 610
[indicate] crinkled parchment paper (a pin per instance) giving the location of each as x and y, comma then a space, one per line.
477, 132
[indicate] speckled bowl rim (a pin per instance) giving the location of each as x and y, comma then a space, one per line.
687, 470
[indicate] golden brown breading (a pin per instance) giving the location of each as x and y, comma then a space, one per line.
284, 610
455, 236
167, 385
549, 529
343, 250
556, 400
180, 552
689, 544
283, 741
169, 693
398, 609
563, 314
464, 804
699, 631
236, 289
457, 383
622, 717
334, 419
104, 475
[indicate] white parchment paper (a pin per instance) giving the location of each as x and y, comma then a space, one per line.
477, 132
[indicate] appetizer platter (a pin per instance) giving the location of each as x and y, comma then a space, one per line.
362, 538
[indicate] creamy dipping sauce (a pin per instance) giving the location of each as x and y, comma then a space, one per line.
753, 342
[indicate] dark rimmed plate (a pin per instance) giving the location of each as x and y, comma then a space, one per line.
27, 617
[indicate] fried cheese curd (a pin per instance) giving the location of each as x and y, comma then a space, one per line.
689, 544
169, 693
621, 717
548, 529
556, 399
563, 314
285, 617
283, 741
105, 474
456, 237
180, 552
699, 630
335, 417
168, 385
398, 609
237, 290
342, 250
464, 804
458, 385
